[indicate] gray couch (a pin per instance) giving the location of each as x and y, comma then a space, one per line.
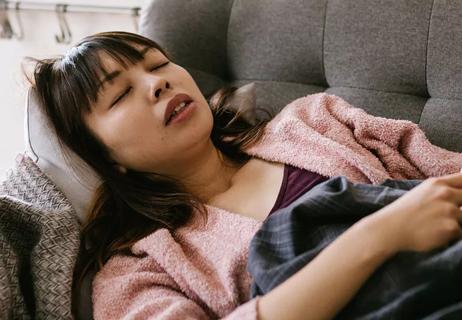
394, 58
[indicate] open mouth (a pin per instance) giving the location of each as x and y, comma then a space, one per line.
177, 112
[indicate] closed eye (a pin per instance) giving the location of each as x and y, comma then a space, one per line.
121, 96
162, 65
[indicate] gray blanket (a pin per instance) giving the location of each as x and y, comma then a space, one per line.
39, 241
410, 285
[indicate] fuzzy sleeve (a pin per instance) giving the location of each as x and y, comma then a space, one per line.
136, 288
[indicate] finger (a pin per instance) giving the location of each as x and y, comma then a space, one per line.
448, 194
455, 228
453, 180
456, 215
455, 196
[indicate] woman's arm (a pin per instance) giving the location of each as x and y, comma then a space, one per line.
424, 218
326, 284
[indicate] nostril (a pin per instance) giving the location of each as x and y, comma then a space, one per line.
157, 93
167, 85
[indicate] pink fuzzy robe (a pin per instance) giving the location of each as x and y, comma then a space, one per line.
199, 271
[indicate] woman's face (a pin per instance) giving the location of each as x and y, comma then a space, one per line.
128, 116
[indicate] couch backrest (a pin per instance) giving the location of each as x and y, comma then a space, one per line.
398, 59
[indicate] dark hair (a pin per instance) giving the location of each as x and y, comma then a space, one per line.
133, 204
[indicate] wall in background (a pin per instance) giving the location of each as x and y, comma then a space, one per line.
39, 29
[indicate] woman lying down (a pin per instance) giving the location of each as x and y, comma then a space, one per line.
188, 183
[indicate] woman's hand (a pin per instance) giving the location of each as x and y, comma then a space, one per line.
426, 217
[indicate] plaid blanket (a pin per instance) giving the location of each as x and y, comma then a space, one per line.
39, 241
411, 285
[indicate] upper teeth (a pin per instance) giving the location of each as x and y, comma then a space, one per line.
181, 105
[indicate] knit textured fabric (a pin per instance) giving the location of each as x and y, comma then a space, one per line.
39, 241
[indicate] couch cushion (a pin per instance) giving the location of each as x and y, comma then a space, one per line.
379, 46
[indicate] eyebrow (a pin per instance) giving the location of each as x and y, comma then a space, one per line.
111, 76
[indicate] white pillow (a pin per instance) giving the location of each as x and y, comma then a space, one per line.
78, 186
43, 147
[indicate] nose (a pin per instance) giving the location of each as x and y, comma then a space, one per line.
159, 86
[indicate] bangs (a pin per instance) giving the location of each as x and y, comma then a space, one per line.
83, 70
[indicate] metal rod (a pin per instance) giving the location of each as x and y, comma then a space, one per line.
88, 8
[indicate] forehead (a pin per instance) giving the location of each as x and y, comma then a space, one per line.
109, 63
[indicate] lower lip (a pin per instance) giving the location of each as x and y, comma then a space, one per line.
184, 113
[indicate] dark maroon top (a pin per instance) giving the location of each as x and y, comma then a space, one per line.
295, 182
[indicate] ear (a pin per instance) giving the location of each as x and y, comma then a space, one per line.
244, 99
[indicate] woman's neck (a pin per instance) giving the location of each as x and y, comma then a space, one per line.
212, 176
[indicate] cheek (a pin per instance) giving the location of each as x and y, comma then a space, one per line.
140, 151
126, 134
131, 136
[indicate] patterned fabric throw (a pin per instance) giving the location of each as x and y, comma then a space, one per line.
39, 242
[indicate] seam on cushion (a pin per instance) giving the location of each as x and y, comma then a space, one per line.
386, 91
322, 45
300, 83
314, 85
403, 93
426, 55
228, 71
446, 98
361, 88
